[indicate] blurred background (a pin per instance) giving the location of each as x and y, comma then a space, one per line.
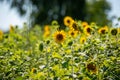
18, 12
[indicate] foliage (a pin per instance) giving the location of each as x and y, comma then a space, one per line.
44, 11
30, 55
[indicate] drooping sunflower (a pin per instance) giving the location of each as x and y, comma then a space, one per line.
72, 33
91, 67
87, 30
1, 35
114, 31
74, 26
82, 40
59, 36
68, 20
103, 30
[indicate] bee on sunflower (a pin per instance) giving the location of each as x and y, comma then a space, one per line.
59, 36
114, 31
103, 30
72, 33
1, 35
68, 20
87, 30
91, 67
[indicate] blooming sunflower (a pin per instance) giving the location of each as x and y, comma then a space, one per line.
87, 30
59, 36
114, 31
73, 33
1, 35
82, 40
103, 30
91, 67
84, 24
46, 34
46, 28
68, 20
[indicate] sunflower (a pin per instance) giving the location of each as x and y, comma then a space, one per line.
68, 20
11, 29
59, 36
33, 70
91, 67
73, 33
74, 26
84, 24
46, 28
1, 35
82, 40
87, 30
46, 34
103, 30
114, 31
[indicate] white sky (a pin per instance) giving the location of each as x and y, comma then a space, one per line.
8, 16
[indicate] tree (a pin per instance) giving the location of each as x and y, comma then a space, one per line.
44, 11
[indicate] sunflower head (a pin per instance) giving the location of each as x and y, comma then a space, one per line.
46, 34
1, 35
74, 26
114, 31
11, 29
103, 30
82, 40
91, 67
84, 24
46, 28
73, 33
34, 70
59, 36
87, 30
68, 20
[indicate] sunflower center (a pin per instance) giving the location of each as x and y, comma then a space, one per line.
91, 66
114, 32
72, 33
88, 30
103, 31
68, 21
59, 37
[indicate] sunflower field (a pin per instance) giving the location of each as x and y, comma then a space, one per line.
80, 51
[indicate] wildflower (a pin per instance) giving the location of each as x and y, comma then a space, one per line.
59, 36
73, 33
82, 40
68, 20
103, 30
1, 35
91, 67
114, 31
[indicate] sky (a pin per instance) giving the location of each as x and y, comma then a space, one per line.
10, 16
